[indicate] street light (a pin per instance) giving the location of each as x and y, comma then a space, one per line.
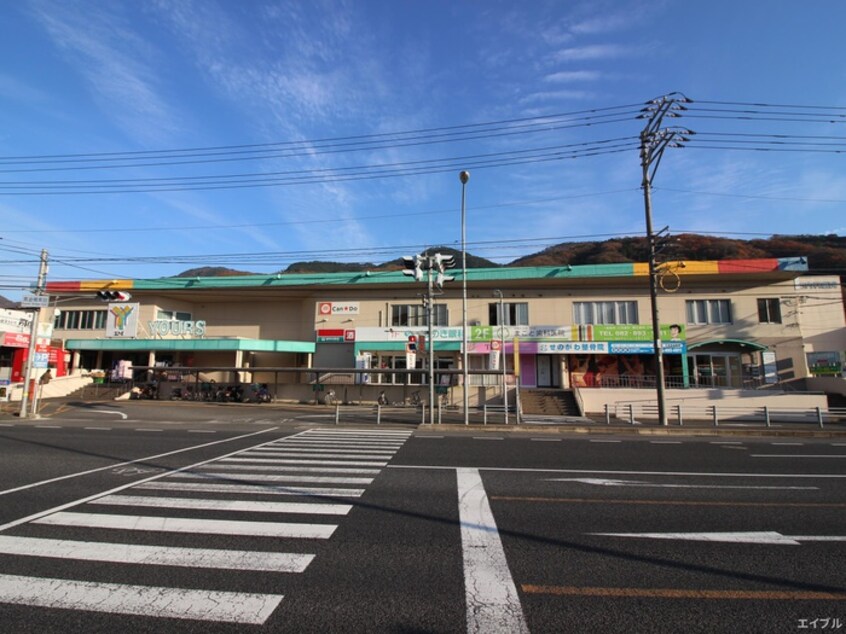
464, 177
498, 293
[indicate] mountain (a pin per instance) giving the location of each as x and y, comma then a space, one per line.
825, 253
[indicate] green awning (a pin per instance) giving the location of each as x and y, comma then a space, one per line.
399, 346
741, 343
191, 345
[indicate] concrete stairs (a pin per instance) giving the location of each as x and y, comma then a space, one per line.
549, 402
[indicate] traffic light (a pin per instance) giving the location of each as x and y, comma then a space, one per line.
413, 266
114, 296
442, 262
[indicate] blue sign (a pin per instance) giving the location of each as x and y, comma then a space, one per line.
41, 360
639, 347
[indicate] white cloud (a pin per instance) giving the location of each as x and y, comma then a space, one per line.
119, 66
592, 52
573, 76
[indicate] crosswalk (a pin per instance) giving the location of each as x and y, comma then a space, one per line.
312, 477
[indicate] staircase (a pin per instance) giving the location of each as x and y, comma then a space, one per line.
552, 402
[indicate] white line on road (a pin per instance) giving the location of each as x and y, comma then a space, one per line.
155, 555
787, 444
121, 464
605, 441
49, 426
201, 431
701, 474
260, 477
546, 439
740, 537
142, 429
203, 605
796, 455
204, 487
246, 506
302, 458
189, 525
100, 428
493, 604
488, 438
289, 469
331, 463
665, 442
318, 449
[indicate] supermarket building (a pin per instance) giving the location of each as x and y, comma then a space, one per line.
728, 325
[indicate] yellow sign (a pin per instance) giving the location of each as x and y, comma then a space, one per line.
516, 347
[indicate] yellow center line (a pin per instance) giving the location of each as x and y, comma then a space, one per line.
824, 505
674, 593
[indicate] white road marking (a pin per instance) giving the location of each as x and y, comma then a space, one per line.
787, 444
247, 488
493, 604
319, 449
141, 429
94, 410
100, 428
796, 455
224, 505
327, 458
120, 464
546, 439
725, 442
201, 431
289, 469
748, 537
604, 441
203, 605
634, 483
155, 555
189, 525
702, 474
488, 438
665, 442
260, 477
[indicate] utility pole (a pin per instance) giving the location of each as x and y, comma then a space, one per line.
653, 141
33, 335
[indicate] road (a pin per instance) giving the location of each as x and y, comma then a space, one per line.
193, 519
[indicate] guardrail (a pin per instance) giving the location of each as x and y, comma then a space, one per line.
715, 414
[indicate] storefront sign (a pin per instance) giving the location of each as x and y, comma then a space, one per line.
335, 335
595, 347
176, 328
15, 321
15, 340
637, 347
122, 321
402, 333
631, 332
527, 333
327, 309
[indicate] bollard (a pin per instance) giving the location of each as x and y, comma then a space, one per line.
681, 419
378, 413
631, 414
440, 411
607, 415
485, 415
423, 415
820, 417
714, 410
337, 413
767, 415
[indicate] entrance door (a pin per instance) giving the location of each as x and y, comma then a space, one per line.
548, 371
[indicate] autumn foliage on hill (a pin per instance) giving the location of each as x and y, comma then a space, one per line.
826, 254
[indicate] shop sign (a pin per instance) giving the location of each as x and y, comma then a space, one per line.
369, 334
15, 321
824, 363
638, 347
122, 321
576, 347
631, 332
40, 360
335, 335
176, 328
15, 340
327, 309
527, 333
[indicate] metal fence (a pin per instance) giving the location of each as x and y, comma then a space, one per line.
678, 414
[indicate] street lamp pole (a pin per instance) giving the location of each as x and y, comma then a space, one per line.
498, 293
464, 177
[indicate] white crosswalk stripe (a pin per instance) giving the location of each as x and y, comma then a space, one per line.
299, 466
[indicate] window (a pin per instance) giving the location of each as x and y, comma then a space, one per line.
605, 312
415, 315
516, 314
173, 315
769, 310
80, 320
708, 311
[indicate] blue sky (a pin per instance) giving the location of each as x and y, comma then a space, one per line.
426, 88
